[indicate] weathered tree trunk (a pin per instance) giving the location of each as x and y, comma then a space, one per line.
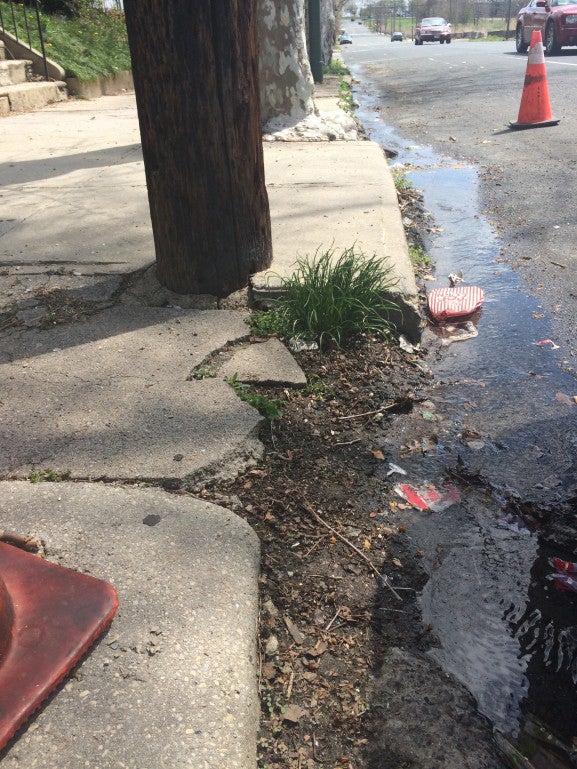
328, 28
286, 83
195, 68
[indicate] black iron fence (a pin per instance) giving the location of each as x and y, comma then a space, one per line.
22, 20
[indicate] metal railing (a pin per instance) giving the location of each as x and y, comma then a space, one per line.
20, 24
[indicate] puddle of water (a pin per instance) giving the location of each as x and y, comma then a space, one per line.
506, 632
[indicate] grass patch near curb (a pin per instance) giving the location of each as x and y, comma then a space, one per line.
419, 257
266, 407
336, 67
330, 299
49, 476
346, 101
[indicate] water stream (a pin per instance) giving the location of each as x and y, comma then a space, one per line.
507, 632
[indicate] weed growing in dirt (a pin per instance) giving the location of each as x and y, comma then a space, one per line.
346, 102
331, 299
266, 407
270, 322
402, 184
204, 372
49, 476
419, 257
320, 388
336, 67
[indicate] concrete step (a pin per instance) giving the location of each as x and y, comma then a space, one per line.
30, 96
13, 72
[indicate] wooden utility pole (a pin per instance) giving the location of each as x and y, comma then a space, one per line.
195, 68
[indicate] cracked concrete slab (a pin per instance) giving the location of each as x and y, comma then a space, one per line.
173, 682
109, 398
266, 363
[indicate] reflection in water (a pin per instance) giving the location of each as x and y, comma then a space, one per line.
506, 632
547, 637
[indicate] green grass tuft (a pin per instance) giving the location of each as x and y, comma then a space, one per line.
336, 67
266, 407
401, 182
346, 101
419, 257
331, 299
49, 476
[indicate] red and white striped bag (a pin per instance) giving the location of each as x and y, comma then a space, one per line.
454, 302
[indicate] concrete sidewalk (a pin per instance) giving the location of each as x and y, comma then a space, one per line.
115, 382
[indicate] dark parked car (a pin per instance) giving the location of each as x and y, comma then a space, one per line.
345, 40
397, 36
433, 29
556, 20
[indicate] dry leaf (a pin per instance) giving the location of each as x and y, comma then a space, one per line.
378, 454
268, 671
397, 562
319, 648
298, 637
293, 713
367, 544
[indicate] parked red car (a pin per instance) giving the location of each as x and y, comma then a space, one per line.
430, 30
556, 20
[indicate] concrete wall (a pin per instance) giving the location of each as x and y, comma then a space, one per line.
101, 86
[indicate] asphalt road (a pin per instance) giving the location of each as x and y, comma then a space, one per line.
459, 98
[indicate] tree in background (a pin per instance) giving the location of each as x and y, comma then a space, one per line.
195, 70
286, 82
331, 11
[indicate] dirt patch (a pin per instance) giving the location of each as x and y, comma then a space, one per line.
319, 510
332, 560
345, 681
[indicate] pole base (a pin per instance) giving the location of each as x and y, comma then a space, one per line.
538, 124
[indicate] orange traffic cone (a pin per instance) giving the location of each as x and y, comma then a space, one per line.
535, 109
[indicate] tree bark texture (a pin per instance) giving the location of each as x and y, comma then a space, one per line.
328, 27
195, 68
286, 82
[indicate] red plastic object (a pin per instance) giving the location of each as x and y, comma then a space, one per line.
429, 498
454, 302
49, 618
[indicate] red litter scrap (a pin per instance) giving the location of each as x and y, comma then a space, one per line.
49, 618
428, 498
560, 565
544, 342
455, 301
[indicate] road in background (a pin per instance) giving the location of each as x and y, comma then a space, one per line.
459, 99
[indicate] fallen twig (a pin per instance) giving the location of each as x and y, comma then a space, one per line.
329, 626
369, 413
347, 542
290, 685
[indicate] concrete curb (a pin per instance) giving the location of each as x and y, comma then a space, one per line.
173, 682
